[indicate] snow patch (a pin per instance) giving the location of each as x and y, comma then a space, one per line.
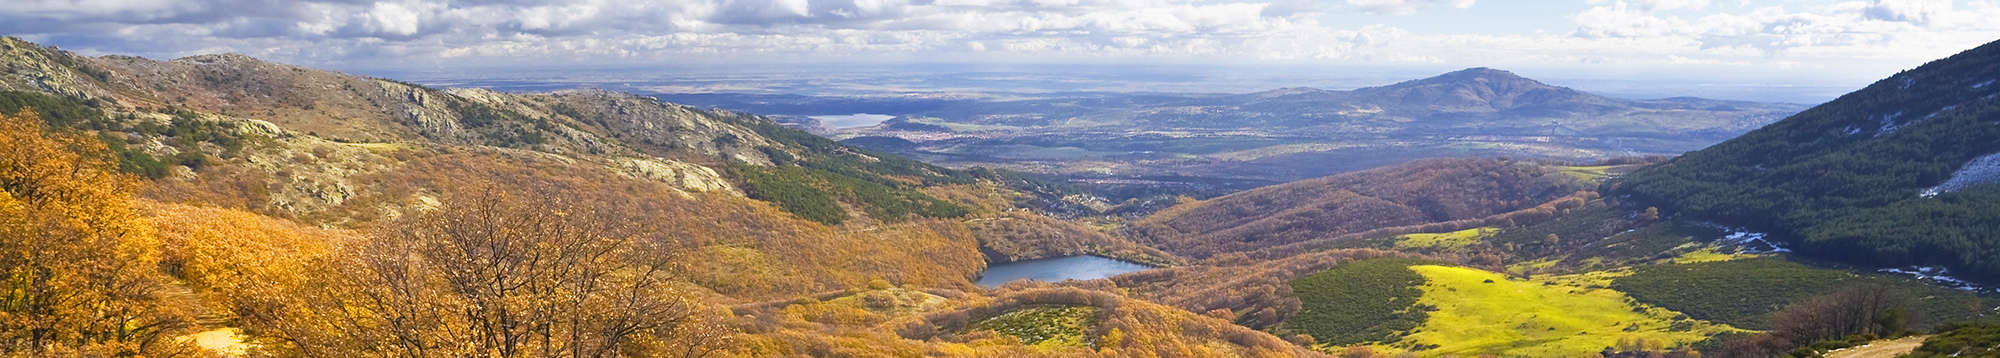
1982, 170
1983, 84
1937, 275
1889, 123
1746, 241
1753, 242
1852, 130
1939, 111
1909, 81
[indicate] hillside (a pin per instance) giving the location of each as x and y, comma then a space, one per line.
1888, 175
221, 204
302, 135
1421, 192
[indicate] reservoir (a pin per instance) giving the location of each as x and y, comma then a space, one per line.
1057, 269
844, 121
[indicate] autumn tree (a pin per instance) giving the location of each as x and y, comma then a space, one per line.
528, 273
1871, 310
79, 270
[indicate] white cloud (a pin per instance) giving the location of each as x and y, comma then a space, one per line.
1601, 32
393, 19
1914, 11
1404, 7
1674, 4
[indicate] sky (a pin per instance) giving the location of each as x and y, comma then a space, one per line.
1813, 41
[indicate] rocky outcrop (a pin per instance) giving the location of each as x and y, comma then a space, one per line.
665, 129
318, 131
33, 68
687, 177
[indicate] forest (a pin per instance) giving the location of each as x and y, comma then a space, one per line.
1845, 180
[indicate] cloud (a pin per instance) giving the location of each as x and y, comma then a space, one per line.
1674, 4
1879, 29
394, 33
1913, 11
1404, 7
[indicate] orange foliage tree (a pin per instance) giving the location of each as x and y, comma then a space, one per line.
497, 273
79, 268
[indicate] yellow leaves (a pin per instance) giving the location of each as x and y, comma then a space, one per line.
1112, 338
80, 263
224, 248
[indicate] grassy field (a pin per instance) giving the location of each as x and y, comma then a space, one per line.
1593, 174
1710, 254
1745, 292
1484, 313
1449, 241
1358, 302
1046, 326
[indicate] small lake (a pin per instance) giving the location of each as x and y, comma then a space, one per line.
844, 121
1058, 269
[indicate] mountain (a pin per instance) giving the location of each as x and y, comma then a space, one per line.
300, 211
1890, 175
340, 150
1485, 101
686, 147
1473, 91
1208, 144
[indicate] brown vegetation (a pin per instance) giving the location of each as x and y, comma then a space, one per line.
1409, 194
479, 223
749, 249
1128, 328
1253, 293
1026, 235
1869, 311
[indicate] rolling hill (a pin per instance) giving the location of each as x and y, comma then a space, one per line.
1890, 175
1422, 192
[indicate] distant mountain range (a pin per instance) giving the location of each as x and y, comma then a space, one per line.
1234, 141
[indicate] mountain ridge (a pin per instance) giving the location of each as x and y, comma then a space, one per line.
1850, 179
1267, 136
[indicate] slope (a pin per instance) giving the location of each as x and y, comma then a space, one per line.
1852, 179
261, 219
302, 134
1420, 192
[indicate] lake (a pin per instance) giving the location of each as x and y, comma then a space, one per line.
1058, 269
844, 121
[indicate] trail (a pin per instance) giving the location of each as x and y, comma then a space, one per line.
218, 336
1882, 348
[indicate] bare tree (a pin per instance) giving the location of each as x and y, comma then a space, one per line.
522, 274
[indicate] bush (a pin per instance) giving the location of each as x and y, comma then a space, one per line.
1359, 302
1969, 341
1746, 293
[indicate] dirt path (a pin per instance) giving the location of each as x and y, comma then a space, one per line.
218, 337
1881, 349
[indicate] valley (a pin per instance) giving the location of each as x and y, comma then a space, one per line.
223, 205
1228, 142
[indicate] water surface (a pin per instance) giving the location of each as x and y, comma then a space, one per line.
1057, 269
852, 120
